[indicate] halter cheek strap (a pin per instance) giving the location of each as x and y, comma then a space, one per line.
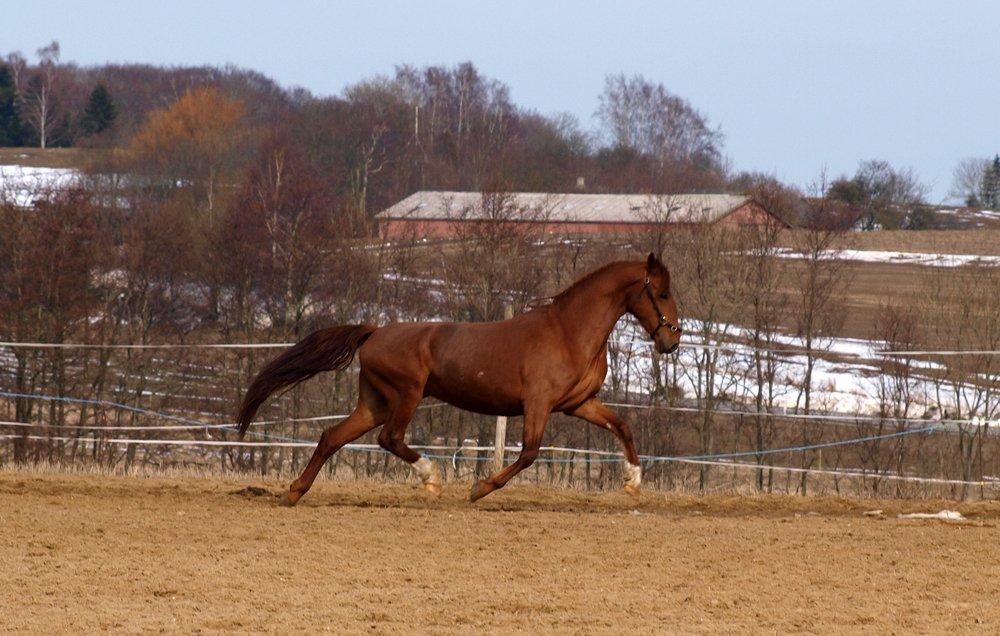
663, 322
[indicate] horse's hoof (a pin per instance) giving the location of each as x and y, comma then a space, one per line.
429, 475
288, 500
433, 489
479, 490
633, 478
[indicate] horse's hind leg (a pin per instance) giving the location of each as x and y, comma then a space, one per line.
391, 439
363, 419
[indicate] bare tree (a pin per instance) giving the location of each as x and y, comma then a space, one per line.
41, 106
766, 307
967, 180
660, 214
819, 281
962, 309
494, 264
494, 268
710, 293
17, 64
897, 325
46, 288
646, 118
277, 259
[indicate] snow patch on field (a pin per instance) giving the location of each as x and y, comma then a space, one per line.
900, 258
970, 212
846, 377
25, 184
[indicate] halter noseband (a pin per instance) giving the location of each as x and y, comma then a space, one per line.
646, 287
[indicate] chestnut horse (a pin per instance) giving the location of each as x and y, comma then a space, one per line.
553, 358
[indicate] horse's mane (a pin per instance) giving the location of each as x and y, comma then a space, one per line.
588, 279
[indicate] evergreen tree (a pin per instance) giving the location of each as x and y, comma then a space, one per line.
99, 113
989, 191
11, 130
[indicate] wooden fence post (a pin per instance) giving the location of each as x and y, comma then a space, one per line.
499, 442
500, 435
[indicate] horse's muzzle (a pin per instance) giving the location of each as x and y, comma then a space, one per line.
661, 348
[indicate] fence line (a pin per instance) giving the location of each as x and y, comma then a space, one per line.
77, 345
186, 423
455, 457
800, 416
652, 459
189, 424
454, 452
645, 458
792, 350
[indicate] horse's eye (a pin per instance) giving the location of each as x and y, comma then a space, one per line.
664, 296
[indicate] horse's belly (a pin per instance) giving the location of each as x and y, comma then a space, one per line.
475, 392
493, 370
490, 400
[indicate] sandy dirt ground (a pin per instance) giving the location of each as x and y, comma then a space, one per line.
81, 552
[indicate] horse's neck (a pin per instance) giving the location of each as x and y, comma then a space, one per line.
590, 308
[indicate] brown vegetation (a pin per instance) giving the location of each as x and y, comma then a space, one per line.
214, 221
77, 158
274, 266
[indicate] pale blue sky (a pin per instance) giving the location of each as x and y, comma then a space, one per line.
794, 86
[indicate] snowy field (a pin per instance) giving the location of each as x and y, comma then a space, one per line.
846, 375
24, 184
901, 258
969, 218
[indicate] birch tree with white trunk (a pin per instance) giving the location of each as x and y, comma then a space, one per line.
40, 107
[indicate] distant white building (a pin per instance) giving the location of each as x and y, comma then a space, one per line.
437, 213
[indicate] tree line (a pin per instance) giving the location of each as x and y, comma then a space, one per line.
444, 128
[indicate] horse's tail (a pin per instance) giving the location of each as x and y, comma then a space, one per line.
324, 350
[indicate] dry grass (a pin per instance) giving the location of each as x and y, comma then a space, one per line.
980, 241
47, 158
872, 287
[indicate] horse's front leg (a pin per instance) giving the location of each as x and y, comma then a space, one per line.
535, 419
595, 412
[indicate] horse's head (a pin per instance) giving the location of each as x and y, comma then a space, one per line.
653, 305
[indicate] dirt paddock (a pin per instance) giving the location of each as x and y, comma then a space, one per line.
85, 552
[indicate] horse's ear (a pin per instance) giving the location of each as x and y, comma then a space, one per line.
653, 264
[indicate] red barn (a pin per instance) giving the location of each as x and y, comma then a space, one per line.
431, 213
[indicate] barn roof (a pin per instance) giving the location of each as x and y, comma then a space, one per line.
580, 208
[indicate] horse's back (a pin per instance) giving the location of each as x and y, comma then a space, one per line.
475, 366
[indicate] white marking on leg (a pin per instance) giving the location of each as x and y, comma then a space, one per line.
632, 474
427, 471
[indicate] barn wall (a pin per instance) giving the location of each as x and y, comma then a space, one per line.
751, 213
396, 228
748, 214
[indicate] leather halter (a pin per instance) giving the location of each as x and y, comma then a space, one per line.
646, 287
